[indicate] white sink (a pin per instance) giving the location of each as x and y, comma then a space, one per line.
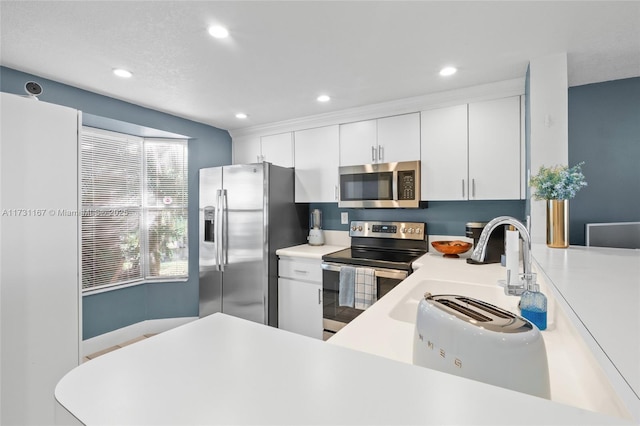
405, 310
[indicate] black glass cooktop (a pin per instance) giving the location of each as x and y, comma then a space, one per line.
391, 259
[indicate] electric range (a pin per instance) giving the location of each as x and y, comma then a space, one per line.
388, 248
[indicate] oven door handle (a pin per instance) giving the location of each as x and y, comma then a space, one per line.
395, 274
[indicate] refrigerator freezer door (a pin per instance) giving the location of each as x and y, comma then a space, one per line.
209, 230
244, 254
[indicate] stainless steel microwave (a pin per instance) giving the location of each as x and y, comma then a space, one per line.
383, 185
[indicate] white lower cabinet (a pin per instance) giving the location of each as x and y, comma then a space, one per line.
300, 296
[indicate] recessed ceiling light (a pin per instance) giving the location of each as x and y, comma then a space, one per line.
323, 98
218, 31
448, 71
241, 115
122, 73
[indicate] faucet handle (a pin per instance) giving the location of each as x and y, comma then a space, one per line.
526, 282
514, 289
529, 281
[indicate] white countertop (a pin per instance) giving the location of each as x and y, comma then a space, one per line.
579, 376
224, 370
309, 252
600, 288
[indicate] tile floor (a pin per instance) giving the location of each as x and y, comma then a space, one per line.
113, 348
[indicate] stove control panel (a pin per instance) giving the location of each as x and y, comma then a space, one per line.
396, 230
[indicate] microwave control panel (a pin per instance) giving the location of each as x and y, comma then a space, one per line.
406, 185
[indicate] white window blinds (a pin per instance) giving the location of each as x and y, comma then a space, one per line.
134, 201
165, 208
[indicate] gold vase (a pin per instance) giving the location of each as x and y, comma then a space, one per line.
558, 223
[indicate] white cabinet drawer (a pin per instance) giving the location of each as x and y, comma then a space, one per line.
306, 270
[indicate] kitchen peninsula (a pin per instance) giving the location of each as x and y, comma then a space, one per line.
224, 370
592, 342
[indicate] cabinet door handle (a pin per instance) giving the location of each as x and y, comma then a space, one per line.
462, 188
335, 192
258, 158
300, 271
473, 188
319, 296
380, 153
373, 153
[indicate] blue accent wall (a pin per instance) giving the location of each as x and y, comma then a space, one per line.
604, 132
441, 217
208, 147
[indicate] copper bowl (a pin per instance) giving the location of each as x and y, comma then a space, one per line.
451, 248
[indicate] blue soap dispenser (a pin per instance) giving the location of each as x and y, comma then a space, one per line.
533, 306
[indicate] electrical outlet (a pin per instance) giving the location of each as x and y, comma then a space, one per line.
344, 218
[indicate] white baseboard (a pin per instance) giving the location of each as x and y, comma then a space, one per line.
121, 335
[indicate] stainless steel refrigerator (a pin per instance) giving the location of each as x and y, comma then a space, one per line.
247, 212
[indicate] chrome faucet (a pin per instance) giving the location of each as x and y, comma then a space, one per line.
527, 278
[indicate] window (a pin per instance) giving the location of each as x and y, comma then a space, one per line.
134, 209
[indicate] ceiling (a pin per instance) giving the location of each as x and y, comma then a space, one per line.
281, 55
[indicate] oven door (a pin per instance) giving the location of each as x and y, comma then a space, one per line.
334, 316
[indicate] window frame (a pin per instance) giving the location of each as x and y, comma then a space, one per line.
143, 209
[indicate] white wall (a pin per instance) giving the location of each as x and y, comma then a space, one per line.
549, 125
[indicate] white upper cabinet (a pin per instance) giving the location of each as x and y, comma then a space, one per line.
358, 143
444, 154
247, 150
399, 138
278, 149
316, 159
381, 140
494, 149
472, 152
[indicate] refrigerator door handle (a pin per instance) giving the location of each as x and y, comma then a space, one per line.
225, 230
218, 226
